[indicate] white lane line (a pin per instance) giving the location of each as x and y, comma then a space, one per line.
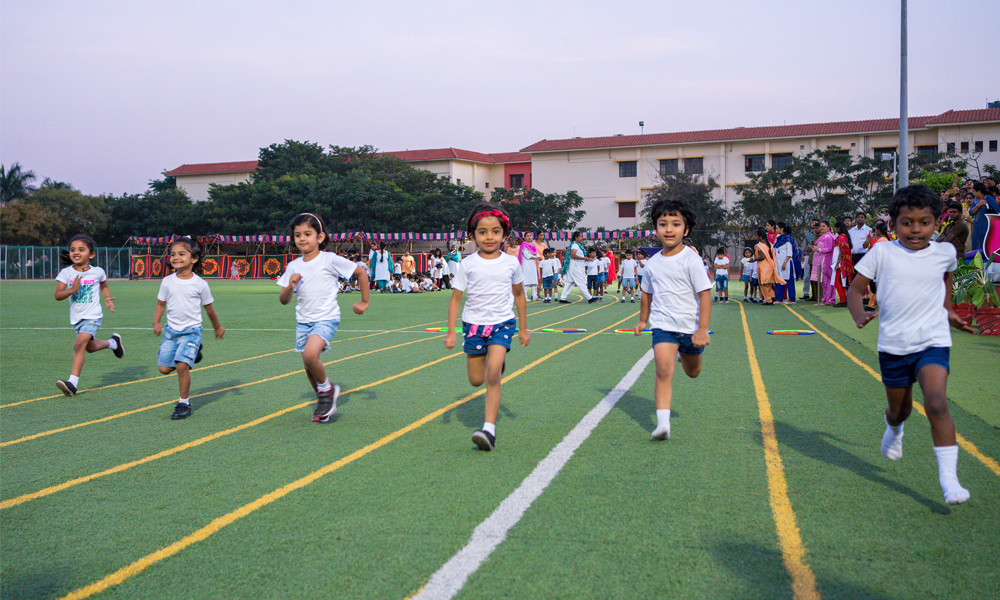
451, 577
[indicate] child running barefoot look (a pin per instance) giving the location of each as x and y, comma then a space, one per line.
181, 295
80, 283
677, 303
492, 282
914, 297
312, 277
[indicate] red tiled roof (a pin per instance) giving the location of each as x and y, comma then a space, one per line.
966, 116
502, 158
724, 135
442, 154
207, 168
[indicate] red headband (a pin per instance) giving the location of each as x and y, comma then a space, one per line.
491, 213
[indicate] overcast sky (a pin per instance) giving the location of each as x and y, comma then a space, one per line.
107, 94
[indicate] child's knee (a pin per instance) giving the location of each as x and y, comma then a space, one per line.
935, 405
166, 370
692, 370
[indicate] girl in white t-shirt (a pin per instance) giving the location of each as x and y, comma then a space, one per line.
181, 296
81, 282
313, 278
492, 281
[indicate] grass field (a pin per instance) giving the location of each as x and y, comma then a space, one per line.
772, 485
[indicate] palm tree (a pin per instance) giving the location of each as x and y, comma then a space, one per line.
14, 183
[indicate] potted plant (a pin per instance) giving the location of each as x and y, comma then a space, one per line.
972, 285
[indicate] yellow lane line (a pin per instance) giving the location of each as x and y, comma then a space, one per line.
217, 524
966, 445
793, 551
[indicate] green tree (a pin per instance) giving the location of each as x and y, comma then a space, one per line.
288, 158
52, 214
534, 210
822, 177
152, 214
767, 195
15, 183
709, 232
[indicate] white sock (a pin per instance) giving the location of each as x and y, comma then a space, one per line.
947, 457
324, 387
112, 344
184, 401
490, 428
73, 380
662, 431
892, 441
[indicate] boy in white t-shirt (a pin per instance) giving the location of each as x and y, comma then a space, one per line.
626, 274
721, 276
593, 273
677, 304
914, 338
550, 265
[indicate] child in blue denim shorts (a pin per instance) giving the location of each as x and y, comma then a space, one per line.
181, 296
313, 279
81, 282
677, 303
492, 281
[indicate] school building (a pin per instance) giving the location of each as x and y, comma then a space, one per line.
612, 173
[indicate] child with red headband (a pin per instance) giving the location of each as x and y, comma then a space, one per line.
492, 281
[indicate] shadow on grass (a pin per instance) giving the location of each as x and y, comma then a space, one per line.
127, 375
819, 445
44, 585
642, 409
470, 413
763, 572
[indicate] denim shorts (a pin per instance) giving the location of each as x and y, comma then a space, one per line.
88, 326
591, 281
549, 283
754, 282
901, 371
721, 282
746, 278
683, 341
179, 346
324, 329
477, 340
602, 278
628, 282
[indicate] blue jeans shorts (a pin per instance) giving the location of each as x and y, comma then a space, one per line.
628, 282
549, 283
88, 326
591, 282
746, 278
179, 346
901, 371
721, 282
602, 278
324, 329
683, 341
477, 340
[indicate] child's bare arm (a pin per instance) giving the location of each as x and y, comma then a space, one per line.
522, 313
219, 329
362, 275
108, 298
286, 292
854, 302
161, 306
645, 304
454, 304
63, 291
700, 339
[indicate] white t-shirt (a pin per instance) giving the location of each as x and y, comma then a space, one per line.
747, 266
605, 264
628, 268
593, 267
911, 294
753, 270
317, 290
364, 266
184, 298
85, 304
550, 266
489, 299
858, 237
674, 281
640, 269
721, 264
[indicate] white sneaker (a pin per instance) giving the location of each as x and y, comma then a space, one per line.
661, 433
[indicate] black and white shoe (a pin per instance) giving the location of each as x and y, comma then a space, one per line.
623, 299
181, 411
120, 350
561, 301
592, 300
484, 439
67, 388
326, 404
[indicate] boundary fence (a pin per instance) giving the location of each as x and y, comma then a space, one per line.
42, 262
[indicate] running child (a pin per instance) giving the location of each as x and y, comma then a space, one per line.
721, 275
677, 304
317, 313
914, 338
181, 296
549, 265
627, 275
492, 282
81, 282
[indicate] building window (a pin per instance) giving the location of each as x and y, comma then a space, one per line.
628, 168
885, 153
979, 146
780, 161
516, 181
668, 166
694, 166
993, 145
626, 210
927, 150
753, 163
965, 147
458, 182
951, 148
487, 185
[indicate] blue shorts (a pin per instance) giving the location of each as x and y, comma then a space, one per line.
179, 346
753, 282
549, 283
602, 278
721, 282
591, 282
497, 335
324, 329
901, 371
638, 278
88, 326
683, 341
746, 278
628, 282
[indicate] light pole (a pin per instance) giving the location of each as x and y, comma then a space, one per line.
904, 152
